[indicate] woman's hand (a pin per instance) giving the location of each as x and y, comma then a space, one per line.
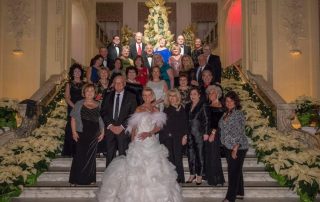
100, 137
235, 151
184, 140
205, 137
144, 135
75, 136
211, 137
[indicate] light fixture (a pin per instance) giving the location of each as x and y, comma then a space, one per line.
17, 52
295, 52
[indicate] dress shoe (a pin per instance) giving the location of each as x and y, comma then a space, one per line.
240, 197
191, 178
199, 180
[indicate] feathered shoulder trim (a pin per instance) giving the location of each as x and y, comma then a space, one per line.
159, 119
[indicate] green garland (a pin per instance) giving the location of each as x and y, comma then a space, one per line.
307, 192
9, 190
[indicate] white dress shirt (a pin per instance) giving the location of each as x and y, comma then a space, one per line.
120, 102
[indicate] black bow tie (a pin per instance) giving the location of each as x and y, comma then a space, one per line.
181, 46
150, 56
115, 45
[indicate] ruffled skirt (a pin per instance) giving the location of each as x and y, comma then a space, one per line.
144, 175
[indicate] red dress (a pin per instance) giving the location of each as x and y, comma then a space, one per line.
142, 76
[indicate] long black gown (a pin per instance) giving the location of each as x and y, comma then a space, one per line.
69, 147
83, 168
213, 165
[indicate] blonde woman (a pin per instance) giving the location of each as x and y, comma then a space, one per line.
175, 62
126, 61
187, 66
163, 50
174, 133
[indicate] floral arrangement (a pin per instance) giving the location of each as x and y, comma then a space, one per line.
8, 113
126, 35
290, 161
308, 111
23, 160
157, 23
189, 35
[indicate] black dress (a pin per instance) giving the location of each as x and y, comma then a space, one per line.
83, 168
69, 147
101, 91
171, 137
198, 126
213, 165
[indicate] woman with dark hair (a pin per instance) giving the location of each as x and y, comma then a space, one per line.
233, 137
118, 69
132, 84
198, 129
87, 130
92, 72
142, 76
72, 95
184, 89
213, 165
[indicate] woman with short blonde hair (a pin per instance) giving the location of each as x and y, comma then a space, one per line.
172, 92
174, 133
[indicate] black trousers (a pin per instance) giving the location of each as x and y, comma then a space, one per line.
195, 154
174, 146
235, 174
115, 142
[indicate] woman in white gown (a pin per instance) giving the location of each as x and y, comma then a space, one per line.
145, 174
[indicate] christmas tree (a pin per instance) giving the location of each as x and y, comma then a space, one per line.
157, 25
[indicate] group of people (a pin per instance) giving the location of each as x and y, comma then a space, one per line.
150, 106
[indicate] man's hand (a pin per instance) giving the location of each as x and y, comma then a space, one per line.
116, 129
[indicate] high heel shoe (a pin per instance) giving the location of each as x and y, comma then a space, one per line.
191, 178
199, 180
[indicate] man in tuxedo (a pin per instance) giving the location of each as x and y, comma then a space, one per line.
114, 51
184, 50
137, 47
103, 51
213, 61
116, 108
148, 56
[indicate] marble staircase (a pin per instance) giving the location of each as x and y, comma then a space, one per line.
53, 186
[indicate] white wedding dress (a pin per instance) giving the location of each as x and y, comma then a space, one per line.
145, 174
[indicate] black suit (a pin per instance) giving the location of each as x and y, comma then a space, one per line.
127, 107
187, 50
215, 65
134, 52
112, 54
146, 62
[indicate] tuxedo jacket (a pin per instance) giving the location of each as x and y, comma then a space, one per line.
146, 62
187, 50
128, 107
112, 54
215, 64
134, 52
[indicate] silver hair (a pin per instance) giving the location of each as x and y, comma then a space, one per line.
215, 88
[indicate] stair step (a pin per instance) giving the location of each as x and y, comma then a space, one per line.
184, 200
64, 164
188, 192
58, 179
